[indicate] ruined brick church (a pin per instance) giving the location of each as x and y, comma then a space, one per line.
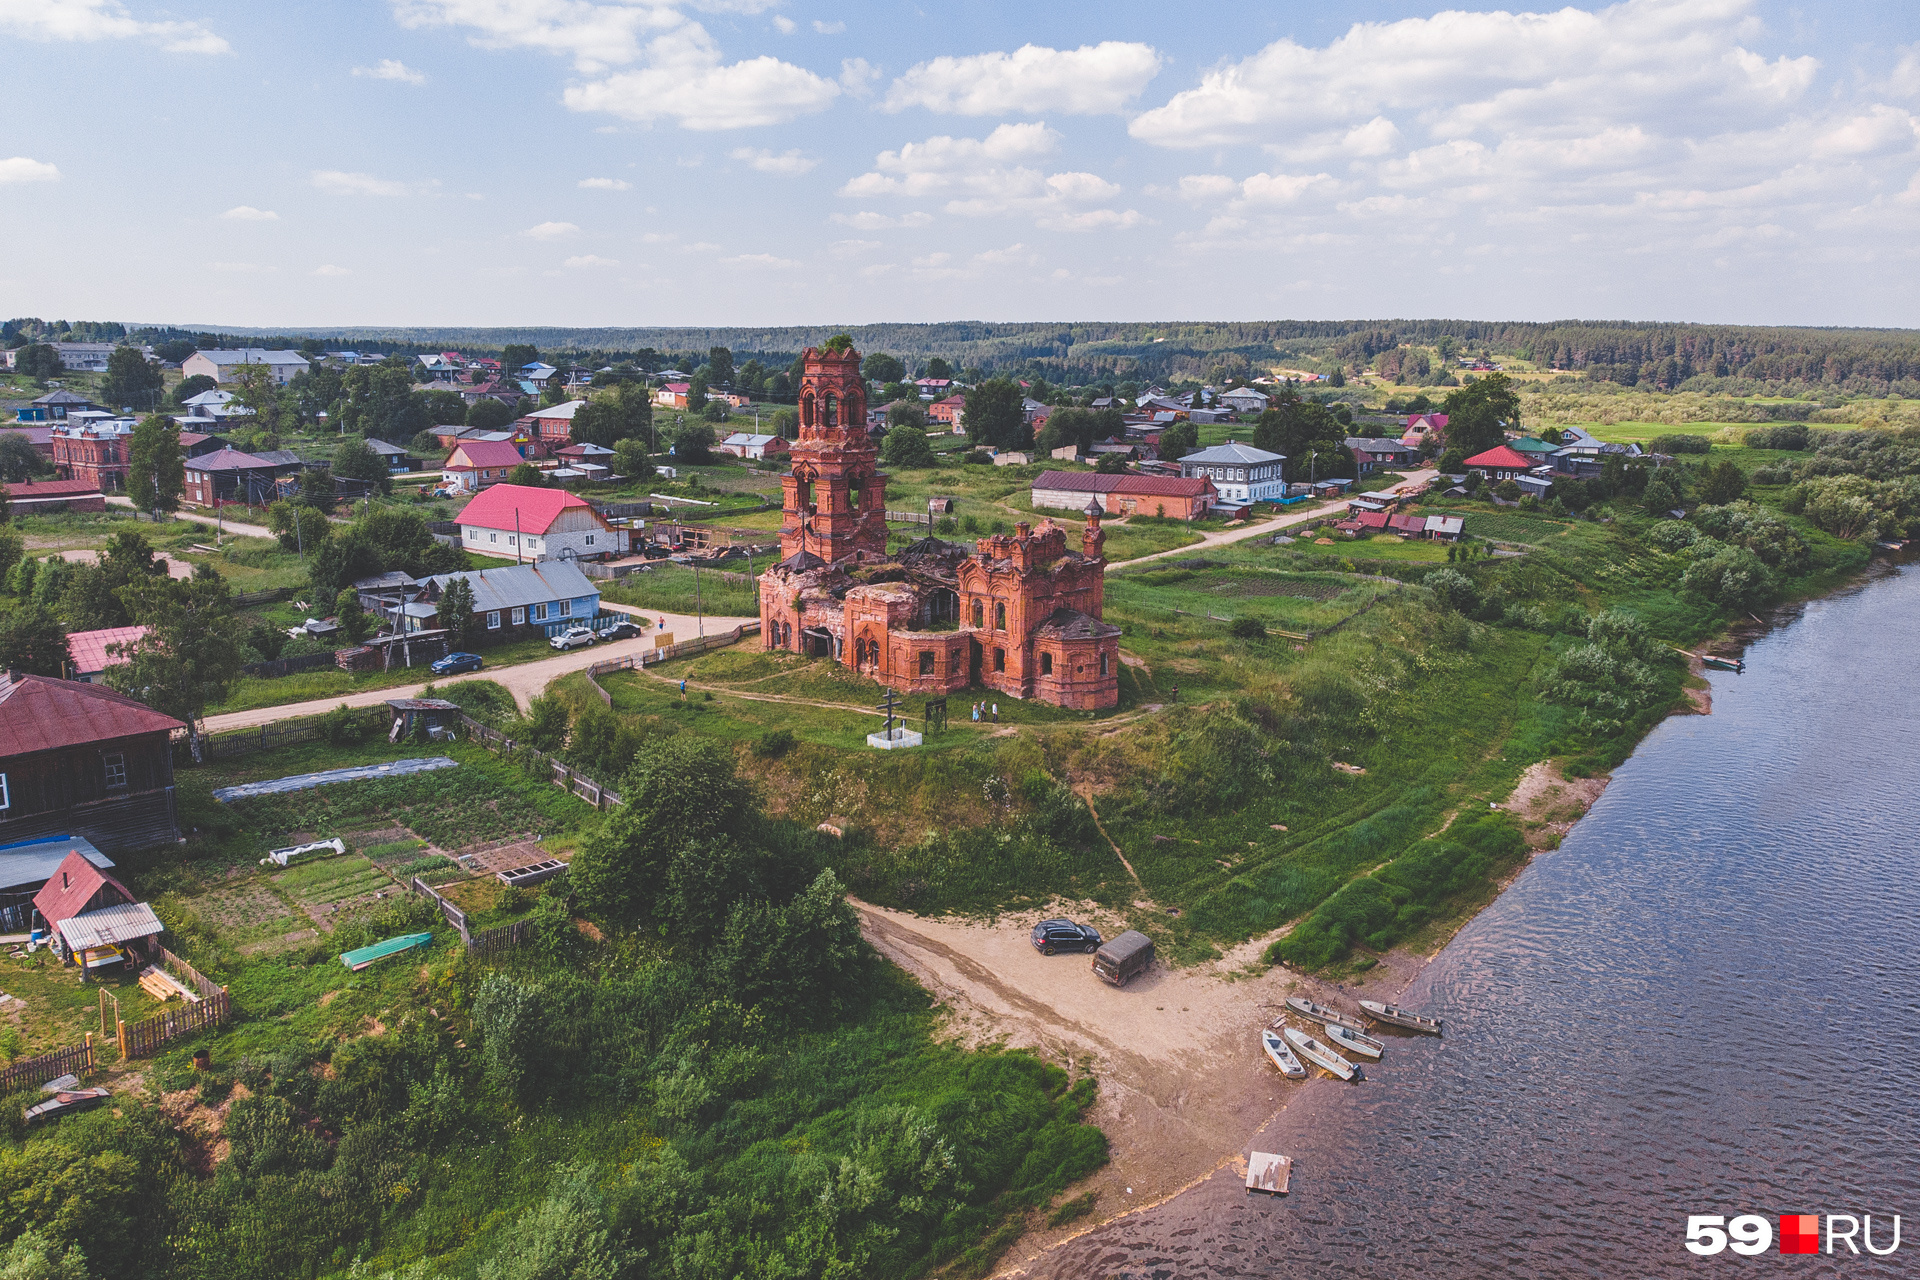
1019, 615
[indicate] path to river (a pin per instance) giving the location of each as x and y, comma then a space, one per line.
1707, 1001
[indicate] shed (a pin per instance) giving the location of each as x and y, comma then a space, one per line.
436, 716
27, 865
88, 909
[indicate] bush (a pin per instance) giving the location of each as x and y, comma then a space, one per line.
1453, 590
342, 726
1680, 444
979, 458
1247, 629
774, 743
1673, 535
1788, 435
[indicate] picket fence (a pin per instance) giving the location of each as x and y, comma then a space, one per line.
145, 1038
76, 1060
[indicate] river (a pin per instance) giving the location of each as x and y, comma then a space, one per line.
1706, 1001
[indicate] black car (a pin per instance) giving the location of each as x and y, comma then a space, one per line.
619, 630
457, 662
1050, 936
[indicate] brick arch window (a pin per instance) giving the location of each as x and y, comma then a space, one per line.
1046, 664
806, 411
833, 410
1103, 664
979, 615
926, 662
999, 617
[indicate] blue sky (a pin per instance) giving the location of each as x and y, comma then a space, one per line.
590, 162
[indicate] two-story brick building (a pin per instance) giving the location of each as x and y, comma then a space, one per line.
94, 452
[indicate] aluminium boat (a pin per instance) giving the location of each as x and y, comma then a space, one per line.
1282, 1056
1347, 1040
1321, 1056
1400, 1017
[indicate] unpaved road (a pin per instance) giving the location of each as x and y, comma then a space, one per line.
1413, 483
1183, 1081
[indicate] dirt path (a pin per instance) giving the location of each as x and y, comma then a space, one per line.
1413, 483
225, 526
525, 681
175, 568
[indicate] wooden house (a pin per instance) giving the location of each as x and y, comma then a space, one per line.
92, 918
83, 760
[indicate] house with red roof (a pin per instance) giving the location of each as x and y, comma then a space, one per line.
673, 395
90, 653
476, 464
1176, 497
1500, 463
80, 759
92, 916
550, 430
45, 497
1405, 525
534, 524
951, 412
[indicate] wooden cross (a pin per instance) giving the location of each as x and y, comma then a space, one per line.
890, 705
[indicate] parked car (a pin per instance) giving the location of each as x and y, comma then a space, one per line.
573, 638
1126, 956
619, 630
455, 663
1050, 936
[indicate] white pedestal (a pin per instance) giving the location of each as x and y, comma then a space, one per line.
895, 740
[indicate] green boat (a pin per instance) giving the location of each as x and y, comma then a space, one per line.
360, 959
1722, 664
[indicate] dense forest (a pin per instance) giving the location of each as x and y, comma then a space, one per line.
1730, 358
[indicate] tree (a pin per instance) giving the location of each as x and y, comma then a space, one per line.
681, 790
994, 416
693, 444
938, 368
353, 620
786, 423
716, 411
255, 388
356, 460
442, 408
32, 640
721, 362
381, 403
696, 395
1721, 483
516, 356
630, 460
1337, 379
1179, 440
315, 391
13, 550
339, 561
39, 361
316, 489
190, 653
906, 446
298, 526
1112, 464
1081, 427
156, 470
19, 460
527, 474
94, 594
1479, 416
132, 380
624, 412
907, 413
881, 367
456, 612
36, 1255
488, 414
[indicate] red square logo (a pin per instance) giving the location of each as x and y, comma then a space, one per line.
1799, 1233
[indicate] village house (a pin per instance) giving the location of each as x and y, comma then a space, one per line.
215, 406
225, 366
81, 759
476, 464
537, 524
948, 412
1422, 425
745, 444
1243, 400
398, 460
1499, 463
195, 444
549, 430
39, 437
1242, 473
672, 395
47, 497
512, 602
54, 406
87, 357
1370, 453
94, 919
95, 452
1175, 497
228, 475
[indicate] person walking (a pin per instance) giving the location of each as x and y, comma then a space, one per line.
976, 713
683, 688
996, 713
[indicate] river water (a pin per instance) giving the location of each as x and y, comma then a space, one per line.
1706, 1001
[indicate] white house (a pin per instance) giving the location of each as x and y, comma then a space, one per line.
225, 366
214, 405
537, 524
745, 444
1242, 400
83, 357
1242, 473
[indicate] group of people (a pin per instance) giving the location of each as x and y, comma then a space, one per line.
983, 711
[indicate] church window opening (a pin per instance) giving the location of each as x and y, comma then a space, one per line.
978, 616
999, 659
926, 664
1000, 617
806, 412
833, 410
1103, 664
1046, 664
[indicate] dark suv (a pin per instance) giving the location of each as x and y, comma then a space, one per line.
1050, 936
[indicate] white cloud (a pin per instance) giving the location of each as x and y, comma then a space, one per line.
605, 184
328, 269
391, 69
829, 28
247, 213
789, 163
336, 182
982, 177
1014, 255
551, 231
1092, 220
844, 249
870, 221
590, 260
102, 20
1090, 80
235, 268
766, 260
678, 70
1199, 187
24, 169
784, 25
857, 76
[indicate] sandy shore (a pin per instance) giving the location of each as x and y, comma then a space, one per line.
1183, 1083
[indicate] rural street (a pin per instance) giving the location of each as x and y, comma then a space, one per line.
226, 526
524, 681
1414, 482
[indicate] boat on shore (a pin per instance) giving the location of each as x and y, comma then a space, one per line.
1323, 1057
1347, 1040
1400, 1017
1282, 1056
1320, 1013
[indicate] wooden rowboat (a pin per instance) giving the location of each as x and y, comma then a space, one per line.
1348, 1040
1282, 1056
1400, 1017
1320, 1013
1323, 1057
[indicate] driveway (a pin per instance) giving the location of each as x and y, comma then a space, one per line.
1415, 482
524, 681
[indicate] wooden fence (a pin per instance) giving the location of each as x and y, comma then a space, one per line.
76, 1060
567, 779
454, 915
181, 969
271, 595
239, 742
495, 941
145, 1038
277, 667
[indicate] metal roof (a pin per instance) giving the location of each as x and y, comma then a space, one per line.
1233, 452
33, 862
39, 713
514, 586
120, 923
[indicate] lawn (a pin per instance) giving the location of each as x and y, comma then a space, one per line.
249, 692
1379, 546
672, 588
1503, 524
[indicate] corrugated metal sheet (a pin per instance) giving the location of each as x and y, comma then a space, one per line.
121, 923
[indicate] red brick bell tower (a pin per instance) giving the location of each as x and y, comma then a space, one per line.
835, 496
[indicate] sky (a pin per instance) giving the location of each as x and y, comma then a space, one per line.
750, 162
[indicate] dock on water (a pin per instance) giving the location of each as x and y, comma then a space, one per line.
1269, 1172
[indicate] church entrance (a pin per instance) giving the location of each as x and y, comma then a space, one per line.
975, 655
817, 642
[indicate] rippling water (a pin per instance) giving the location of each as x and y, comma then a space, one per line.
1706, 1001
